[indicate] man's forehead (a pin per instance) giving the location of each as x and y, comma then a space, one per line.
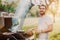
42, 6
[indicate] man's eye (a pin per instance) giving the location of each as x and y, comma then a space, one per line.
42, 8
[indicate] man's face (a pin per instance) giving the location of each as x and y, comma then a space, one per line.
42, 10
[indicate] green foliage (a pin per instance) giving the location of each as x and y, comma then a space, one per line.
7, 7
55, 37
34, 11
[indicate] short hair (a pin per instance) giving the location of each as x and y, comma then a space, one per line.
42, 5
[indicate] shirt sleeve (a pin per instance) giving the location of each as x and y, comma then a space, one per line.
49, 20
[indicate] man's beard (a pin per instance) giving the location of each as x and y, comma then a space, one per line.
43, 13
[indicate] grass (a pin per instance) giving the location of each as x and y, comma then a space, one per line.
55, 34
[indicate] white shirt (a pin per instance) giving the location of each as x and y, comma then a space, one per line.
43, 23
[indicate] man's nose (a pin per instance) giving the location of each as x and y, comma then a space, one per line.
41, 9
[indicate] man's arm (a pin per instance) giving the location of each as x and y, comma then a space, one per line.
49, 25
49, 29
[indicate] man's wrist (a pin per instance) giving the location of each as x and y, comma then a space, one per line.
41, 31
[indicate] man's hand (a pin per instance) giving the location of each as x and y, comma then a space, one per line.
29, 32
37, 31
32, 31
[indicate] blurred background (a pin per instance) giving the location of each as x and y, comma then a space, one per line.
8, 8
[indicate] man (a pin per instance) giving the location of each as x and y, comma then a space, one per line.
44, 24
